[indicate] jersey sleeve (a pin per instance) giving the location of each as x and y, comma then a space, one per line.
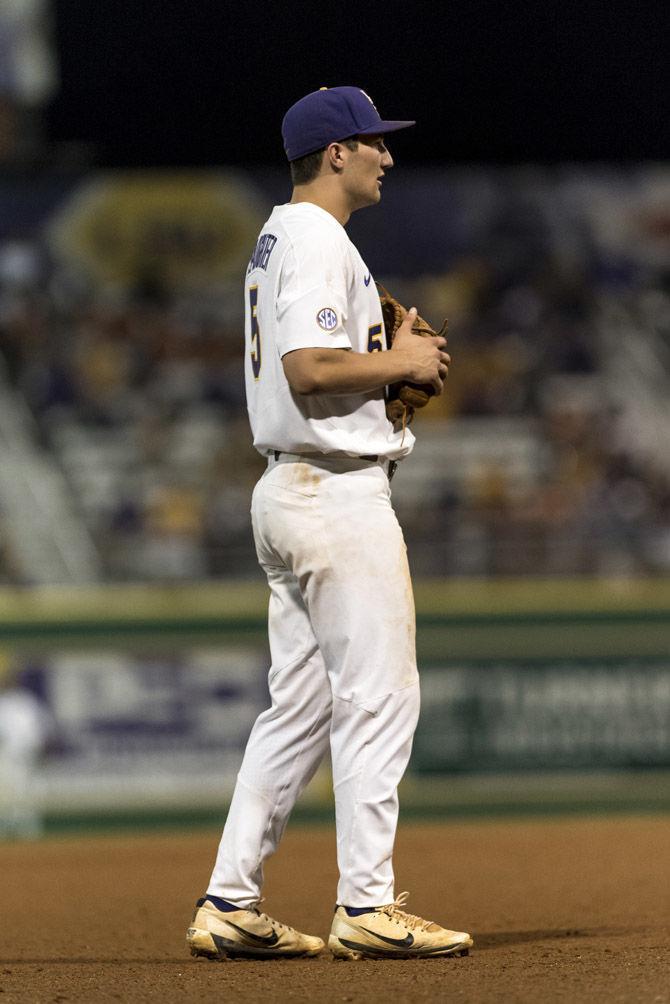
312, 297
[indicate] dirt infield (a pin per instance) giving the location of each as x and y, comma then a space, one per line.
561, 910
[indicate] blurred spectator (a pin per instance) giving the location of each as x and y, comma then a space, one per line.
27, 76
24, 730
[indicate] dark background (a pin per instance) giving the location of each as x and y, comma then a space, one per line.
190, 82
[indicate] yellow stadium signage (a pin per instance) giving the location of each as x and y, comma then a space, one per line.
175, 229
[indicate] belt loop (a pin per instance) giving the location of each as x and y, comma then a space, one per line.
277, 454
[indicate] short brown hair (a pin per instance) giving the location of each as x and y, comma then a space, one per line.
305, 169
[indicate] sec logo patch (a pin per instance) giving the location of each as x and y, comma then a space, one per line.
327, 319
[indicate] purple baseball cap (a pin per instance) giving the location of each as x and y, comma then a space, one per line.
329, 115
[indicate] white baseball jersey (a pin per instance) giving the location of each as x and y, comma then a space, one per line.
308, 287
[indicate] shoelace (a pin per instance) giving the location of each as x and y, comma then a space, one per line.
395, 912
274, 924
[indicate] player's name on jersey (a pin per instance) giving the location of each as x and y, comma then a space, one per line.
262, 252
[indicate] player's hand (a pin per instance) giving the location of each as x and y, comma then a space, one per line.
427, 362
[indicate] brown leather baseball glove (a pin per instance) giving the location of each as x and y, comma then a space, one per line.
402, 399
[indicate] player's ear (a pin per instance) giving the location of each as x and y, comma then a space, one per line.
335, 155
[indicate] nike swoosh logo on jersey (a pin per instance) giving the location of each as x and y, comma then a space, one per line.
366, 279
258, 939
406, 942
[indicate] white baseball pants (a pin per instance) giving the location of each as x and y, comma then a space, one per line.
342, 641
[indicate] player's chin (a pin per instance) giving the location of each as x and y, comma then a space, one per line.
368, 197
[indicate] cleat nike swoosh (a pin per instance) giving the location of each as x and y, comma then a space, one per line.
395, 942
366, 279
268, 940
371, 952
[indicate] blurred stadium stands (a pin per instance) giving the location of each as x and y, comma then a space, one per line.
125, 447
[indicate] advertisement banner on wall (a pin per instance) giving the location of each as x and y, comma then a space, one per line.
136, 729
152, 728
563, 714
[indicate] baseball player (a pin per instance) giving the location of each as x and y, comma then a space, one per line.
341, 613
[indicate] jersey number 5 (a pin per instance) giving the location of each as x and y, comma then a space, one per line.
255, 332
375, 338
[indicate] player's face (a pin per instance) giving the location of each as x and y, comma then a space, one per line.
364, 171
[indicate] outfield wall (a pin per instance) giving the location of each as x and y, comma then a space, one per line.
152, 691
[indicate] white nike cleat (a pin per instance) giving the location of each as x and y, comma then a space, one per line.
387, 932
217, 932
